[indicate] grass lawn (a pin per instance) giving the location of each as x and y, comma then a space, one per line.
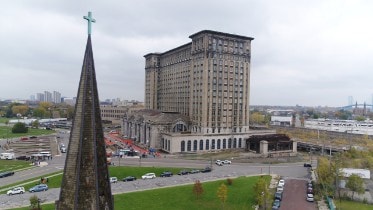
240, 196
6, 132
352, 205
12, 165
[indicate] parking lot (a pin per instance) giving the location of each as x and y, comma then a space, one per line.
294, 196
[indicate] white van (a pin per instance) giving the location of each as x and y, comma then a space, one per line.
45, 154
7, 156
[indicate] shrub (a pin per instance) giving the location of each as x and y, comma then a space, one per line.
19, 128
198, 189
34, 203
229, 181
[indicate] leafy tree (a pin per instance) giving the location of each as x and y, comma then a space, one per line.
360, 118
261, 191
222, 194
198, 189
355, 184
257, 118
40, 112
20, 109
19, 128
35, 124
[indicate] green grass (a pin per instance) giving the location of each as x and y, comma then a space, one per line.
240, 196
12, 165
6, 132
352, 205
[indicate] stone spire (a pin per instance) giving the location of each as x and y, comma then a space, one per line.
85, 182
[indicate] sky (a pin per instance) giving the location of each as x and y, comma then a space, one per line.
308, 53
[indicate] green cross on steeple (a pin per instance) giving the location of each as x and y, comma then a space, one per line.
90, 20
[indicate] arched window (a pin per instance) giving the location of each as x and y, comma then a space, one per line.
239, 143
229, 143
200, 144
235, 143
189, 145
179, 127
183, 146
213, 144
218, 145
224, 143
195, 145
207, 144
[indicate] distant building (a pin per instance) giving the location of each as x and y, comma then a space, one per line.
115, 114
39, 96
56, 97
47, 96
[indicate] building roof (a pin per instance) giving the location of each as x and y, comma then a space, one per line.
269, 138
221, 34
363, 173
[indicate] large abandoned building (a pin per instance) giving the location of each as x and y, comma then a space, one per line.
196, 96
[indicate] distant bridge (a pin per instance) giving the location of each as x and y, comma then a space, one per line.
323, 149
359, 105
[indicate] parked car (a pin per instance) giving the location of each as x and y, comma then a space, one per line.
129, 178
16, 190
207, 169
310, 197
194, 171
307, 165
166, 174
280, 188
23, 157
309, 190
278, 195
281, 182
6, 173
218, 162
113, 179
276, 203
148, 176
63, 149
38, 188
226, 162
183, 172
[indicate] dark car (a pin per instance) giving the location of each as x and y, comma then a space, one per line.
278, 195
307, 165
183, 172
207, 169
129, 178
309, 190
194, 171
276, 204
6, 173
166, 174
23, 157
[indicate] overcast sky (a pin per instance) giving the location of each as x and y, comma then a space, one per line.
305, 52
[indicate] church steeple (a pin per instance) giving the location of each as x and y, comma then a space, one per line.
85, 182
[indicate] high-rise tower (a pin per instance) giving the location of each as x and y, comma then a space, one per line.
85, 183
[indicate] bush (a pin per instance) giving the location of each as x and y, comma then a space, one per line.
19, 128
34, 203
229, 181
